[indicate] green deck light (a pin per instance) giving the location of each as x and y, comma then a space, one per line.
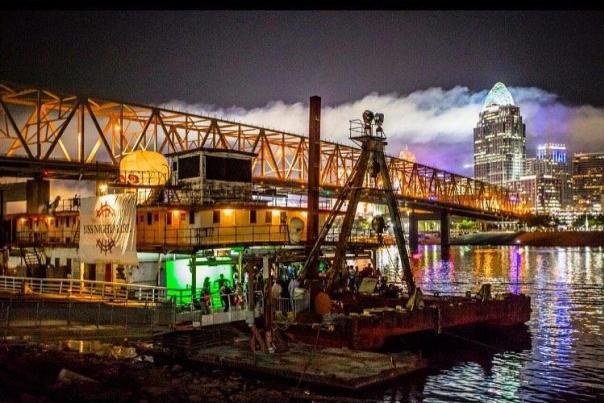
178, 276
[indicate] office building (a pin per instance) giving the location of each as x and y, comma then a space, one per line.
499, 139
588, 181
552, 161
541, 191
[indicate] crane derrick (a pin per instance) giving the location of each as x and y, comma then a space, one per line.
371, 167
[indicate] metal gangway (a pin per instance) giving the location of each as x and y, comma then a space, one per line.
112, 295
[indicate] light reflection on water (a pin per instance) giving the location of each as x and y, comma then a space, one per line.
565, 361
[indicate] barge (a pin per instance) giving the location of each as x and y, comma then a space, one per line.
368, 323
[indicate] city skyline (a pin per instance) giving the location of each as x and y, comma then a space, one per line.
299, 205
428, 86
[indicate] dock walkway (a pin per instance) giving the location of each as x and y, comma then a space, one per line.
333, 367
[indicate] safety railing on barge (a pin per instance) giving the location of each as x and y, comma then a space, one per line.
289, 308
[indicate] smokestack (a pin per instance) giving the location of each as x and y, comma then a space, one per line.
314, 167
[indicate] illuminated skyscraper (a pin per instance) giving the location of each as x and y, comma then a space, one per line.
552, 160
588, 181
547, 181
499, 139
541, 191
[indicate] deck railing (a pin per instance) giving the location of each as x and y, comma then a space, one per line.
62, 236
91, 289
291, 307
235, 309
207, 236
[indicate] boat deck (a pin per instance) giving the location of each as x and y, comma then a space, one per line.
381, 319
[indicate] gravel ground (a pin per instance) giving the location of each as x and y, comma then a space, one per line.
30, 373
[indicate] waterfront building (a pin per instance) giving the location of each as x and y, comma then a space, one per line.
551, 168
499, 139
588, 181
552, 159
541, 191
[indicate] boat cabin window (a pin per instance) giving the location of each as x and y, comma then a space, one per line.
216, 216
188, 167
228, 169
252, 216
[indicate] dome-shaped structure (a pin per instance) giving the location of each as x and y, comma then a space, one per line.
499, 95
144, 168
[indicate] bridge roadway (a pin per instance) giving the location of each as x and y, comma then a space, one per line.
48, 134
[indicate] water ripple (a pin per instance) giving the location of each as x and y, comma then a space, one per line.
565, 360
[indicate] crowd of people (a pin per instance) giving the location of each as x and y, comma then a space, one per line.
231, 294
283, 286
354, 278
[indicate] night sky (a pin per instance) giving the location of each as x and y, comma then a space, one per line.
250, 58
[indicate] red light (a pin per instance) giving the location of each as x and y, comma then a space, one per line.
45, 173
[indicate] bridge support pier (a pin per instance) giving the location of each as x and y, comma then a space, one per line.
445, 223
413, 232
37, 193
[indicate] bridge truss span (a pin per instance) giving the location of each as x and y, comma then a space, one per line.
45, 129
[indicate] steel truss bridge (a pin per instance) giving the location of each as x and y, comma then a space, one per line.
73, 137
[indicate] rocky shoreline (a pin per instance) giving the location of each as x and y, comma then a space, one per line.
35, 373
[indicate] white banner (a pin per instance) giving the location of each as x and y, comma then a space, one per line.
108, 229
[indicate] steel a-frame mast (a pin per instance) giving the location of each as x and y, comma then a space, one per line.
370, 135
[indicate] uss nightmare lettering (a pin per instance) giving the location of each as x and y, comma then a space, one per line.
106, 228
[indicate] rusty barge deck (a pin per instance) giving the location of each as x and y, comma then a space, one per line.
380, 319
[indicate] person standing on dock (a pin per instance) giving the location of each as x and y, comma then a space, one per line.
357, 278
206, 285
225, 292
205, 301
276, 294
293, 284
352, 282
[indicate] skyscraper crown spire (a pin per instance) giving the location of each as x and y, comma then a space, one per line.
499, 95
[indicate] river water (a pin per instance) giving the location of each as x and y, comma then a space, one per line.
559, 356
